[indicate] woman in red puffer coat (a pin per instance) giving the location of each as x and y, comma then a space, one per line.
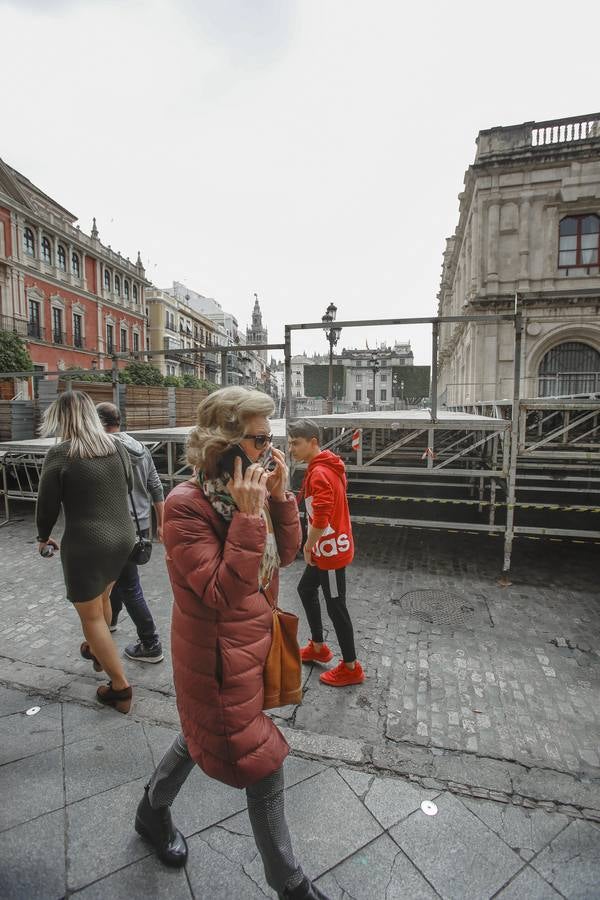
226, 533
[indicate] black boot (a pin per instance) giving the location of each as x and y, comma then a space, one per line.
156, 826
306, 890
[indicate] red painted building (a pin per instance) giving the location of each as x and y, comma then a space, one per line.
73, 300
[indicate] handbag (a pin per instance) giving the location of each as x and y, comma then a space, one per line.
142, 549
282, 674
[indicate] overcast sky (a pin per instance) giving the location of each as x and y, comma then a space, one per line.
310, 151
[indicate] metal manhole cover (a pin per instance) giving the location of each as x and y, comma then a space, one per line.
437, 607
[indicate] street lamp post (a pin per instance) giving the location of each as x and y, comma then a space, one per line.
333, 335
375, 366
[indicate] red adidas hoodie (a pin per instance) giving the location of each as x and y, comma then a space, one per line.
324, 488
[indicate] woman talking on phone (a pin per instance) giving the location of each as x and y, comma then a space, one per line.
226, 532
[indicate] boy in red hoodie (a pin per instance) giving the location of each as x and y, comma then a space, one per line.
329, 548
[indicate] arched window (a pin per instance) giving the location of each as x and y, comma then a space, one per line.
579, 242
135, 294
75, 265
569, 368
126, 289
62, 258
29, 242
107, 279
117, 286
46, 251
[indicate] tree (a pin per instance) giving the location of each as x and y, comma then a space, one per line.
141, 373
13, 353
173, 381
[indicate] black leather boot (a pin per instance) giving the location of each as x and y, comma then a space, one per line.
156, 826
306, 890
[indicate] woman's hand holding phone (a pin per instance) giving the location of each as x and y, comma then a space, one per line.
278, 479
249, 490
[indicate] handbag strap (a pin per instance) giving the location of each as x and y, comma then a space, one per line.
268, 594
120, 452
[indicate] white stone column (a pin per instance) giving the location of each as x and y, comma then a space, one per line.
475, 249
493, 238
524, 211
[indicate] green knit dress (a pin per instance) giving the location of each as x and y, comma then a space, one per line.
99, 533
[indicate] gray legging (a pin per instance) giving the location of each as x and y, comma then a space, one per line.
265, 808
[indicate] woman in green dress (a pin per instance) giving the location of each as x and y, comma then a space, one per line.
88, 474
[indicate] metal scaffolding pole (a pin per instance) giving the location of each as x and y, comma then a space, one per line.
514, 449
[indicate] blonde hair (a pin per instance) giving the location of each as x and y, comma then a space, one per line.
73, 417
221, 422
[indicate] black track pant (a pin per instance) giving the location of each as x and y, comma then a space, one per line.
333, 584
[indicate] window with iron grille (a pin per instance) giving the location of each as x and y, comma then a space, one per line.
33, 326
579, 242
117, 286
75, 265
62, 258
107, 279
110, 339
77, 331
569, 368
136, 341
123, 340
57, 330
126, 290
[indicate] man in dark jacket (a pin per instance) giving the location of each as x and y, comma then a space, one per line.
329, 548
147, 491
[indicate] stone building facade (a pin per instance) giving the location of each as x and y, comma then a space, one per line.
529, 223
175, 326
74, 300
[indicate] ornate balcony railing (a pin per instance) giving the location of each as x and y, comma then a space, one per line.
556, 133
561, 131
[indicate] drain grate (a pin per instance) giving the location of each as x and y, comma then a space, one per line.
437, 607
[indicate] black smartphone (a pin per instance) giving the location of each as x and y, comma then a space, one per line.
227, 461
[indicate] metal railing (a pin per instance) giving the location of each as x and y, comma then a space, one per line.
10, 323
58, 337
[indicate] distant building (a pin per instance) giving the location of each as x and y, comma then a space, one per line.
360, 380
75, 301
175, 326
529, 222
257, 334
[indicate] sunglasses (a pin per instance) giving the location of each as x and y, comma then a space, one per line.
260, 440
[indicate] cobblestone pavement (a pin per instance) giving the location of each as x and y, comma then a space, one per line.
71, 778
499, 691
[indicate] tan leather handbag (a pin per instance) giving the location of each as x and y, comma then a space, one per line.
283, 669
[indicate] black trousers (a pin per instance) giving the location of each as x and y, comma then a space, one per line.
333, 584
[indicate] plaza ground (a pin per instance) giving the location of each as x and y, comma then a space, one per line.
482, 698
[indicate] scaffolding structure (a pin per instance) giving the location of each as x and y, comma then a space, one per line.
511, 467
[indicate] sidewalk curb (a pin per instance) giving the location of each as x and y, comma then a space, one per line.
460, 773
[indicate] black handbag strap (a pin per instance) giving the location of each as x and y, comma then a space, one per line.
120, 451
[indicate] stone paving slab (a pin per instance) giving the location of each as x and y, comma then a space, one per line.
571, 862
379, 870
454, 853
149, 874
339, 819
32, 859
30, 787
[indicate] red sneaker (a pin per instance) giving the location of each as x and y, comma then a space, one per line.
309, 654
341, 675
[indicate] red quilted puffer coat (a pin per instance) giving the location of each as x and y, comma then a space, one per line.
221, 632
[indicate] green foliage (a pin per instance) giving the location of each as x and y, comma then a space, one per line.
190, 381
173, 381
316, 380
141, 373
13, 353
103, 376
